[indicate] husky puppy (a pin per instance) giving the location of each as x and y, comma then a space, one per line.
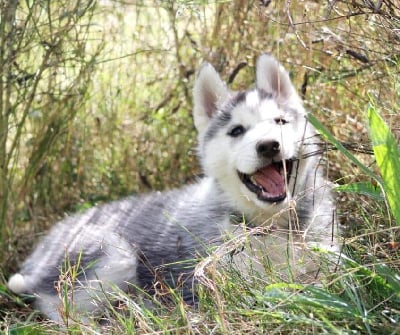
258, 155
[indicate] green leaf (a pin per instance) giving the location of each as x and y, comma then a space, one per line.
387, 158
392, 278
364, 188
29, 329
308, 298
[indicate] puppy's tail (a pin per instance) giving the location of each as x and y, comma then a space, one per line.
17, 283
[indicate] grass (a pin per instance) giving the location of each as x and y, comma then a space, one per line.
360, 301
98, 94
387, 157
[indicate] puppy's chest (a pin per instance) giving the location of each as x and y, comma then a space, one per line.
263, 249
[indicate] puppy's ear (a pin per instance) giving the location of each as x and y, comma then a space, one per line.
208, 94
273, 78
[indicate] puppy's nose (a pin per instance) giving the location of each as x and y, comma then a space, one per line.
268, 149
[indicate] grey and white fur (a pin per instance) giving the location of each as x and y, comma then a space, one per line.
257, 151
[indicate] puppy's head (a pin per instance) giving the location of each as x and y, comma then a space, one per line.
249, 141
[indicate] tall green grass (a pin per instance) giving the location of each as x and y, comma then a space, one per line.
374, 288
387, 155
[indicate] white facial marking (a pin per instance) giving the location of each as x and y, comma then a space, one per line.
252, 99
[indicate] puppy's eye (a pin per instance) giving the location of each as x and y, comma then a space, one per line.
237, 131
280, 120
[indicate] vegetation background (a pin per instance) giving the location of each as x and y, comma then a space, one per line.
95, 104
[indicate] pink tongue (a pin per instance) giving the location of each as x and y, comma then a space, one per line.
271, 180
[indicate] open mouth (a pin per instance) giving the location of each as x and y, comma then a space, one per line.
269, 182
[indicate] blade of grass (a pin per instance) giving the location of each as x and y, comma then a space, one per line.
329, 137
387, 158
365, 188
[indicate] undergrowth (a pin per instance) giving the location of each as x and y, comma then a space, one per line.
95, 103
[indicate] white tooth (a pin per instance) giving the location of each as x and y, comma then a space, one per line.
253, 180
